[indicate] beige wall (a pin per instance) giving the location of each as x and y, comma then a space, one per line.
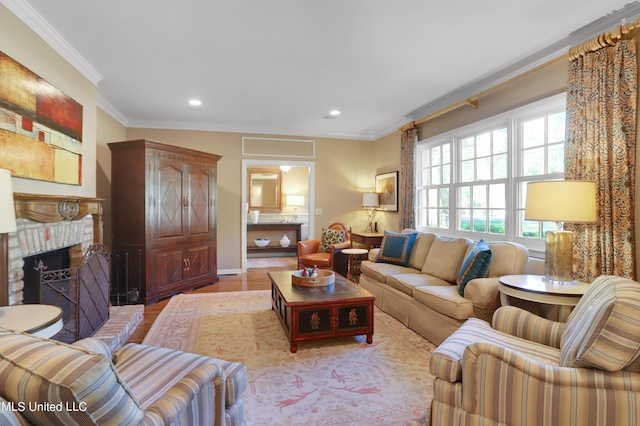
343, 170
545, 82
109, 130
387, 159
23, 45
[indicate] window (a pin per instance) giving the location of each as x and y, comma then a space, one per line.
472, 181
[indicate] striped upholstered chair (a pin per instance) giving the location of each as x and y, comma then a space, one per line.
530, 371
44, 382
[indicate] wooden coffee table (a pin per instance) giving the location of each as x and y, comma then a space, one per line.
314, 313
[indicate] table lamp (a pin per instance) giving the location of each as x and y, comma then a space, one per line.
295, 201
560, 201
370, 201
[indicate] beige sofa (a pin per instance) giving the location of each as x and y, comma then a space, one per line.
424, 295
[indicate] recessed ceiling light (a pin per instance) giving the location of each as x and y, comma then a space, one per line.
332, 114
195, 103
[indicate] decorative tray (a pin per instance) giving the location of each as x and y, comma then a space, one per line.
324, 278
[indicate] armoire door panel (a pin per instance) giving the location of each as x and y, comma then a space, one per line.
170, 202
200, 262
170, 268
199, 192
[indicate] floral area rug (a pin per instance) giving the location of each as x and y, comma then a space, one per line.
342, 381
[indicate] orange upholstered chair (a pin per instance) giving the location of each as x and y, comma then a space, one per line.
308, 255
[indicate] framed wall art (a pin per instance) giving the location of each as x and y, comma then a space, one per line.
40, 127
387, 188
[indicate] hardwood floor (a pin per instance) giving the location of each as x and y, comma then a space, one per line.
254, 279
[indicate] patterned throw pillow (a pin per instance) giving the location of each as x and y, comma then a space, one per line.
330, 237
396, 248
475, 265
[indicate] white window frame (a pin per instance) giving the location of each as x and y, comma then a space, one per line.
512, 120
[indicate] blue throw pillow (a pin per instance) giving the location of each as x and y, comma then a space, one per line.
475, 265
396, 248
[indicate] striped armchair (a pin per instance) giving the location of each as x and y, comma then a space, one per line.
526, 370
45, 382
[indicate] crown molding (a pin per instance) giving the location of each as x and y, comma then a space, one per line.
42, 28
245, 129
393, 127
607, 23
111, 110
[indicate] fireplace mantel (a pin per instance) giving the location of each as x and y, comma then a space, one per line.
48, 209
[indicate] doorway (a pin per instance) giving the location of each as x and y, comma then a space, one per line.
296, 196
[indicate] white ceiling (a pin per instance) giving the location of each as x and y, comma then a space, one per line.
280, 66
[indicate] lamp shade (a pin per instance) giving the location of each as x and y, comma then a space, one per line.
370, 199
561, 201
295, 200
7, 208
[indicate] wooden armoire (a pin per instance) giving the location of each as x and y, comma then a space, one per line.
163, 210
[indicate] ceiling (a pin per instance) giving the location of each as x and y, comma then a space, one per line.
280, 66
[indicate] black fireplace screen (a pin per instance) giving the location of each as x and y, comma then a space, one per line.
82, 293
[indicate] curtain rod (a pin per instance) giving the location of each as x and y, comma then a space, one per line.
473, 100
603, 40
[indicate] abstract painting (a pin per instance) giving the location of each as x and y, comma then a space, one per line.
40, 127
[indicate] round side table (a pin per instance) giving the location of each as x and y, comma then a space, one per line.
36, 319
535, 288
354, 255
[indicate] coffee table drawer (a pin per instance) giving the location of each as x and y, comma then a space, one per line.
353, 318
314, 321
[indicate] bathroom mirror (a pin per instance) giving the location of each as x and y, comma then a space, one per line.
264, 190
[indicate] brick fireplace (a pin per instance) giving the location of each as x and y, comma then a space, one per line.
45, 223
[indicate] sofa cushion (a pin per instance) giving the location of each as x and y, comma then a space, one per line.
407, 282
475, 265
508, 259
445, 257
329, 238
381, 271
444, 299
396, 248
41, 370
164, 367
603, 331
420, 248
446, 360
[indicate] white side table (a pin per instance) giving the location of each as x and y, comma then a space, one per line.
354, 253
535, 289
36, 319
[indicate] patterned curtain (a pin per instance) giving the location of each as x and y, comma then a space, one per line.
407, 184
600, 147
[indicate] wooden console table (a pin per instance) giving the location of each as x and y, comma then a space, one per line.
275, 245
368, 239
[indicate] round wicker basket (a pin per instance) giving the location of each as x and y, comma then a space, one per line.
324, 278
